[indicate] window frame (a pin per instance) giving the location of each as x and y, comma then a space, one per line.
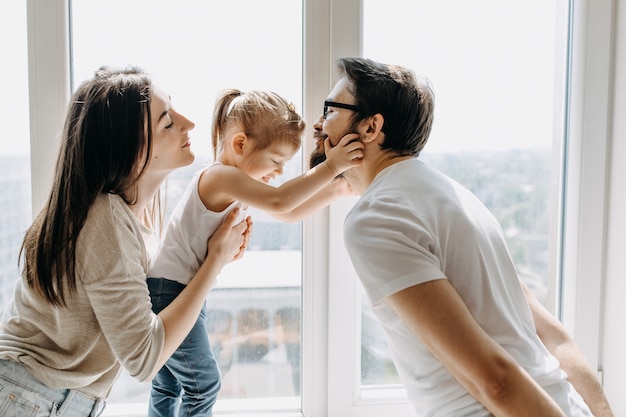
49, 88
586, 173
332, 29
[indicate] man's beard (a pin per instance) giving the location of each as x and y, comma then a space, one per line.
319, 155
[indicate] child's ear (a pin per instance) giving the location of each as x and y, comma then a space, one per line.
239, 142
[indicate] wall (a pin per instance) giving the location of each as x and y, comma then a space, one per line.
613, 359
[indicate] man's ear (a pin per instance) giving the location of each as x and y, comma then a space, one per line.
239, 142
373, 127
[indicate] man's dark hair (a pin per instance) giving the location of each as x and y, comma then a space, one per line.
405, 102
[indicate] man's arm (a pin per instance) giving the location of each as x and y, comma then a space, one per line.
439, 318
556, 338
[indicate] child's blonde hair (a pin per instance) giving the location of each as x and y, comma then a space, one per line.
265, 117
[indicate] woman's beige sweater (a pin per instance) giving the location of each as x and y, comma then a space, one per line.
107, 325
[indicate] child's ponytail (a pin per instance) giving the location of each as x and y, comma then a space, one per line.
223, 106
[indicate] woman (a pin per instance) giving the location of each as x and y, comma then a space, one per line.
82, 310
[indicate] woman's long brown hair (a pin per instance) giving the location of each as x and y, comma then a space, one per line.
105, 148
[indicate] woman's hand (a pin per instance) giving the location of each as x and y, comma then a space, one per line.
230, 240
246, 237
228, 243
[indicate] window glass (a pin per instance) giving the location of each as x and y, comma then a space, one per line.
196, 49
493, 76
15, 186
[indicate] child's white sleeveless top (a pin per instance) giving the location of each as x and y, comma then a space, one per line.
184, 244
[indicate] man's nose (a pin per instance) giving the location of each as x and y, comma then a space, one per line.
317, 124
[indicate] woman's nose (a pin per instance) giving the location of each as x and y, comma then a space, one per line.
185, 123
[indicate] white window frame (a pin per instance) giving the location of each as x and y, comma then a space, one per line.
49, 88
586, 192
330, 363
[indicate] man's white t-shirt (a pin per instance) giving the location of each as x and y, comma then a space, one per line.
413, 225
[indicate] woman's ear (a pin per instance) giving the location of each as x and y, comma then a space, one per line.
373, 127
239, 142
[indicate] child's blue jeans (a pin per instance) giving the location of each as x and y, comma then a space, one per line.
188, 383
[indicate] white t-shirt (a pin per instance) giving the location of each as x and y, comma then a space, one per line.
414, 225
184, 244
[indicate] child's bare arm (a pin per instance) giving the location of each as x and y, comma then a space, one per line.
336, 188
232, 183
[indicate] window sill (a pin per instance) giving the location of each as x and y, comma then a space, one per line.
259, 407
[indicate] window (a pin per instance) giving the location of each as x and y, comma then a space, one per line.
195, 50
15, 196
291, 48
497, 130
495, 93
494, 98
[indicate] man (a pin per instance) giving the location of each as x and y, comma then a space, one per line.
436, 268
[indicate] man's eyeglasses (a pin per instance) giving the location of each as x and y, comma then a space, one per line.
328, 104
